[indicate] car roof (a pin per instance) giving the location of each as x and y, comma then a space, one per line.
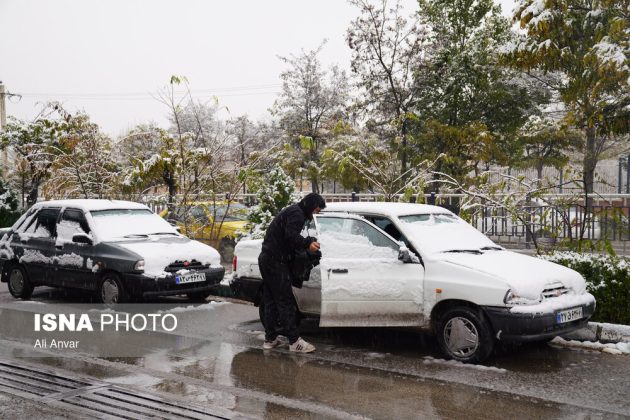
92, 204
385, 208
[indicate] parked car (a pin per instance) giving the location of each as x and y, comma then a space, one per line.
119, 249
413, 265
214, 223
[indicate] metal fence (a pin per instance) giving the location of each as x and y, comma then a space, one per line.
526, 223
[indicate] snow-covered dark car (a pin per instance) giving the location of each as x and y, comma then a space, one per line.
120, 250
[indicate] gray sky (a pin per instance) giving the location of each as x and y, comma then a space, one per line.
108, 57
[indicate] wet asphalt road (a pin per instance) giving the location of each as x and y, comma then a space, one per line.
214, 360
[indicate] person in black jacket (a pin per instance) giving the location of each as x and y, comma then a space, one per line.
282, 240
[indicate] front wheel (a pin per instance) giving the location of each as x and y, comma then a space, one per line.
111, 289
19, 285
464, 335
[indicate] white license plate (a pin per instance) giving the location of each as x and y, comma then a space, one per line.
190, 278
569, 315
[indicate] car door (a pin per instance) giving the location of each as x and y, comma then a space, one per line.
37, 241
364, 283
74, 260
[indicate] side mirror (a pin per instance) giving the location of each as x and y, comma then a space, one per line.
82, 238
404, 255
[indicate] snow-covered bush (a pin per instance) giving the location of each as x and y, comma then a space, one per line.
8, 205
607, 278
273, 194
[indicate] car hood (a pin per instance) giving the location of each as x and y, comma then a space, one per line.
526, 276
158, 254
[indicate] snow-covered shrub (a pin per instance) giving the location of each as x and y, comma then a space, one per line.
275, 193
607, 278
8, 205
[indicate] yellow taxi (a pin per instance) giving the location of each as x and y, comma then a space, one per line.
214, 223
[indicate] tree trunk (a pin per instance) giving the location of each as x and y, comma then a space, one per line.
33, 193
588, 168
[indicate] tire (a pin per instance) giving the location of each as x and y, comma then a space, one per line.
464, 335
226, 249
198, 297
111, 290
19, 285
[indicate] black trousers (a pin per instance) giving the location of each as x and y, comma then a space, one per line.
278, 300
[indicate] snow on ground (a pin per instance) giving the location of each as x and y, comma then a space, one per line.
204, 307
428, 360
612, 348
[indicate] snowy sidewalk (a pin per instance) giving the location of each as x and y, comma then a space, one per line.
608, 338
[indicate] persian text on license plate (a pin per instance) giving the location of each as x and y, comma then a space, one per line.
190, 278
569, 315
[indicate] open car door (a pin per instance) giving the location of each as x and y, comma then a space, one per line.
363, 281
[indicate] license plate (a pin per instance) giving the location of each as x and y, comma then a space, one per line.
569, 315
190, 278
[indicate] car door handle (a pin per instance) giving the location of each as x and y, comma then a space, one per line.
340, 270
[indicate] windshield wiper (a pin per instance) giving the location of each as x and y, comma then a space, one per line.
491, 248
163, 233
468, 251
136, 235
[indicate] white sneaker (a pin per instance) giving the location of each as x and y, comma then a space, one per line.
268, 345
302, 346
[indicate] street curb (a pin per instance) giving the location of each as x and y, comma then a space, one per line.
602, 332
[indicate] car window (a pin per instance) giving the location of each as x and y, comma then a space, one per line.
354, 238
72, 222
235, 213
43, 224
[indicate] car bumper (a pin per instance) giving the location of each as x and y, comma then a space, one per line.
246, 288
141, 285
521, 327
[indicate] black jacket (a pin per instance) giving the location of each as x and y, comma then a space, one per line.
283, 237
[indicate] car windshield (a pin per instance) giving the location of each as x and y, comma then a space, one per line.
437, 233
120, 224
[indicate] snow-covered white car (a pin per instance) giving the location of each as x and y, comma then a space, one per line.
413, 265
119, 249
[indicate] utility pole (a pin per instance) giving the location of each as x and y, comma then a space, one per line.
3, 121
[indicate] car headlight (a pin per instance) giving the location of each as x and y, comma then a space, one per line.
139, 266
512, 298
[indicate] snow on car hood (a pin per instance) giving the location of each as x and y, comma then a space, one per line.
526, 276
160, 253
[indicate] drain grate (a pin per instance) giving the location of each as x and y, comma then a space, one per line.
97, 399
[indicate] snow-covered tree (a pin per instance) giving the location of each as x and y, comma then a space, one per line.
387, 50
586, 42
274, 191
312, 101
470, 106
36, 145
84, 166
8, 204
545, 142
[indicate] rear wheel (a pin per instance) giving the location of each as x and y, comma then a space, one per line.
464, 335
111, 289
19, 285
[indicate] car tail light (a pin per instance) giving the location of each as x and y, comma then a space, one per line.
234, 264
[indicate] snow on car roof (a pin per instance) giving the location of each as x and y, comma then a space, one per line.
385, 208
92, 204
